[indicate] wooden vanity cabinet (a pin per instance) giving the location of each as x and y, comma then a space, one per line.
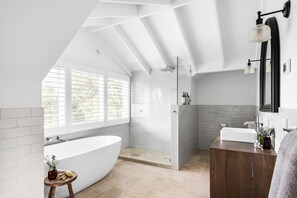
239, 170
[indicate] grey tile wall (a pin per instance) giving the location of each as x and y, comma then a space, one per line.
118, 130
210, 118
187, 132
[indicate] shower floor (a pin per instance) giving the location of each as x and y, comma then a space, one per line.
146, 156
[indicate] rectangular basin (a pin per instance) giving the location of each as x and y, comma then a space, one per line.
238, 134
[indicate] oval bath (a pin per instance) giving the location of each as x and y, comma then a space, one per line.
91, 158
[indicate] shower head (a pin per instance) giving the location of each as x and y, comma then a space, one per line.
168, 68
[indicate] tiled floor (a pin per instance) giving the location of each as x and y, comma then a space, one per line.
146, 156
135, 180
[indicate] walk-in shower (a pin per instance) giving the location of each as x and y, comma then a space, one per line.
152, 97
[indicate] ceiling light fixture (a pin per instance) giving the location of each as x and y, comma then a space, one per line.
261, 32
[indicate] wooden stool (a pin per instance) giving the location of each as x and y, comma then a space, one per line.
54, 183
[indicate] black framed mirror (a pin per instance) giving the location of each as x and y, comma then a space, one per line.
270, 70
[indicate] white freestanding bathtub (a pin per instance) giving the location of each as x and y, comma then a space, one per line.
91, 158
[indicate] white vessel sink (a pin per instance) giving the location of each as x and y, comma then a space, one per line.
238, 134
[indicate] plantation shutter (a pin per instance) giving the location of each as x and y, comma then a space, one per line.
118, 99
87, 96
53, 97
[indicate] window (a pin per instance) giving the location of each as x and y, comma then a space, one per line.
76, 100
87, 97
118, 99
53, 98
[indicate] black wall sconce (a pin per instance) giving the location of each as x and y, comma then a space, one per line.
249, 69
261, 32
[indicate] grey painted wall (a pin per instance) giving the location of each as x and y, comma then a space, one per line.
227, 88
210, 118
118, 130
224, 97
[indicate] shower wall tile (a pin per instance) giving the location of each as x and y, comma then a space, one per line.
21, 152
150, 127
174, 138
151, 98
210, 118
117, 130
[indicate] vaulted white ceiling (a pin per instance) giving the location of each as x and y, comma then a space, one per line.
211, 35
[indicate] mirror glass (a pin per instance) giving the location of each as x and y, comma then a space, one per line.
267, 95
270, 70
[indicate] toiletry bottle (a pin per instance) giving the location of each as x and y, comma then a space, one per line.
188, 99
184, 102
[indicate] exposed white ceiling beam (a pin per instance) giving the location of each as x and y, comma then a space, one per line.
140, 12
96, 22
185, 38
180, 3
237, 64
107, 10
157, 41
142, 2
131, 47
113, 22
218, 24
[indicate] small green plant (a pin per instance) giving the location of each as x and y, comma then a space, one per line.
51, 162
265, 132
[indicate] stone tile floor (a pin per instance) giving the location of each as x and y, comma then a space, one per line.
135, 180
146, 155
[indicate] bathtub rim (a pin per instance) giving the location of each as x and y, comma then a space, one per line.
118, 140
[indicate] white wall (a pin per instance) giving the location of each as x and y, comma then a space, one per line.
33, 35
81, 50
288, 98
288, 41
227, 88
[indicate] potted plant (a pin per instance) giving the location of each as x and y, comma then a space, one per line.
52, 163
265, 135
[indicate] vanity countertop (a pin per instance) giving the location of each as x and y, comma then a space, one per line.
239, 147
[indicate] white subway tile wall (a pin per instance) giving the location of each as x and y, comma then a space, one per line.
151, 100
278, 121
21, 152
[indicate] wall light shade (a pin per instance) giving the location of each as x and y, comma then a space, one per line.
249, 69
260, 33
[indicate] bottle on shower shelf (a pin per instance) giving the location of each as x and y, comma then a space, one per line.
186, 100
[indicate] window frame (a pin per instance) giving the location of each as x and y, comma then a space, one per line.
69, 127
122, 78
